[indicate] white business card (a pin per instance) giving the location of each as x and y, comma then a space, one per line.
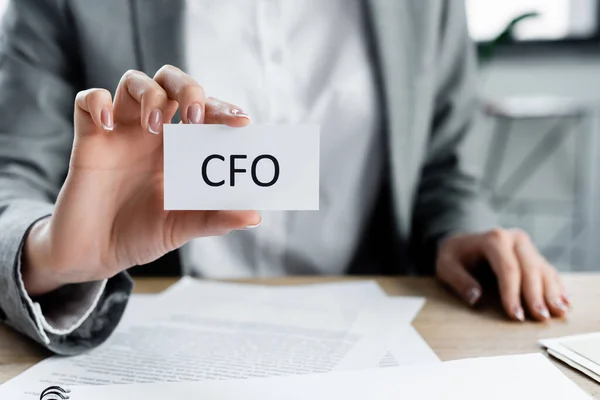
215, 167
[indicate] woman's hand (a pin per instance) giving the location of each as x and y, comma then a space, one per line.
109, 215
522, 272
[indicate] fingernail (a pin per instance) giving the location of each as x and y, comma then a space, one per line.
543, 311
194, 114
239, 113
250, 227
107, 119
154, 122
519, 314
566, 299
473, 295
561, 305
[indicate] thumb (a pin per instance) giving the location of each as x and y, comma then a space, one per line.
455, 275
221, 112
188, 225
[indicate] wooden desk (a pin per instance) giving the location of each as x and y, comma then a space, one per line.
450, 328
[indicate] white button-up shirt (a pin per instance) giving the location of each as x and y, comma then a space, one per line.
289, 62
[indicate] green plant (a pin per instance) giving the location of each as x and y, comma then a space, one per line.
486, 50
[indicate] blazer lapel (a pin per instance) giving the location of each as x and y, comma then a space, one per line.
395, 49
159, 33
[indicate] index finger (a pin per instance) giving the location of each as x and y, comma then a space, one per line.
183, 89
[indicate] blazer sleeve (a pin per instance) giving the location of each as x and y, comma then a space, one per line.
450, 198
39, 77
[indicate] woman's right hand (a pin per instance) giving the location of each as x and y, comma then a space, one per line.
109, 215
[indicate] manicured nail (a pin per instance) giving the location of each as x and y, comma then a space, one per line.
518, 313
194, 114
154, 122
566, 299
543, 311
561, 305
473, 295
250, 227
239, 113
107, 119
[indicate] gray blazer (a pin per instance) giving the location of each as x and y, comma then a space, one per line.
51, 49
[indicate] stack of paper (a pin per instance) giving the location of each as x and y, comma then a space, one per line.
581, 352
197, 331
522, 377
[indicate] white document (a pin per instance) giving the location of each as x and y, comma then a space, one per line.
523, 377
324, 303
407, 347
579, 351
259, 167
60, 370
361, 304
344, 295
343, 299
207, 330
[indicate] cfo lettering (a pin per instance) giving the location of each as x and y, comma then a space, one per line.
233, 169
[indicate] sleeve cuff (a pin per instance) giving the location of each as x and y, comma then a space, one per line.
15, 223
68, 321
64, 310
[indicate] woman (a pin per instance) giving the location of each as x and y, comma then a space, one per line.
391, 83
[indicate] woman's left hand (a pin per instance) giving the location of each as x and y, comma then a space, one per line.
522, 272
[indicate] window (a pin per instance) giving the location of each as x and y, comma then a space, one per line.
559, 20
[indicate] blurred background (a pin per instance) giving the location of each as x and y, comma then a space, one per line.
538, 147
537, 143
